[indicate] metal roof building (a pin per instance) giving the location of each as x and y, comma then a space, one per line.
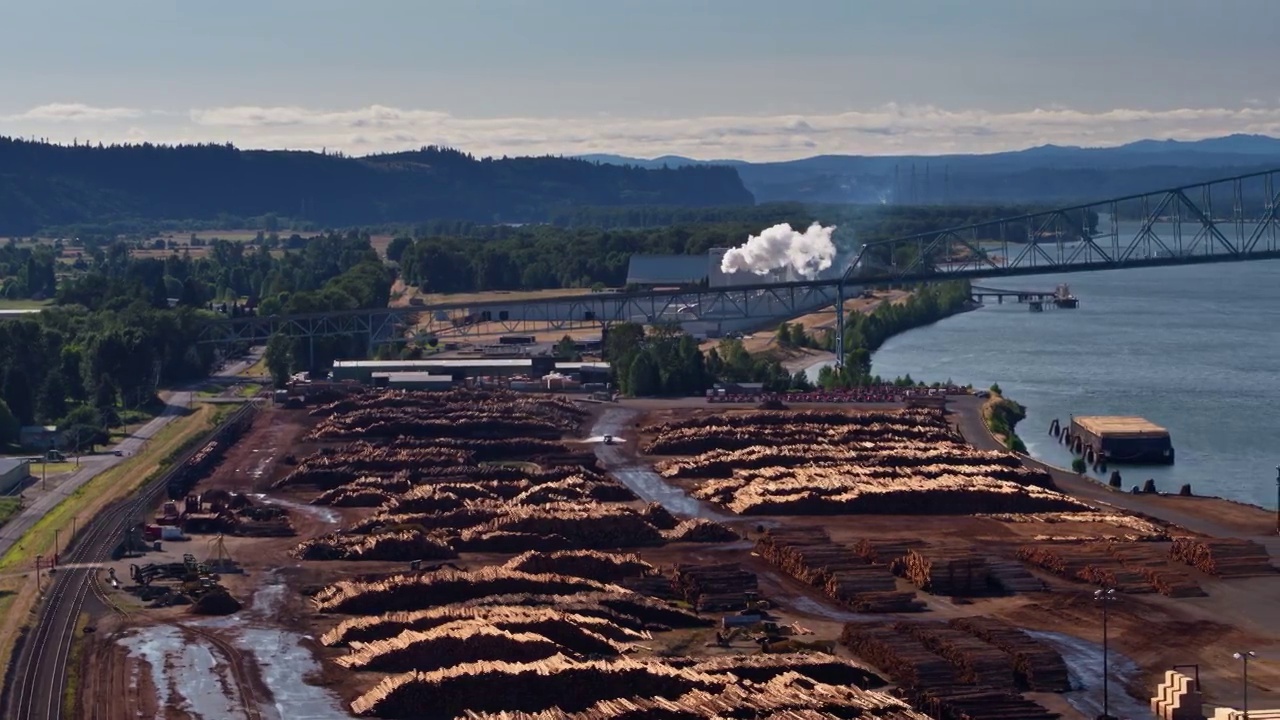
656, 270
12, 472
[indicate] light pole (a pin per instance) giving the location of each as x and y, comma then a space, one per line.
1244, 658
1105, 596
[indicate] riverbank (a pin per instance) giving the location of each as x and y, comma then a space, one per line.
1002, 416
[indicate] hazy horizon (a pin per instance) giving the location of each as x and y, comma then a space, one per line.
571, 77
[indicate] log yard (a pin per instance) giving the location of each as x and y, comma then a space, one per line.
487, 553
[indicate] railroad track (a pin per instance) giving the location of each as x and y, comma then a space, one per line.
40, 675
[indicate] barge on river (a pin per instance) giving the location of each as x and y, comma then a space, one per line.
1118, 439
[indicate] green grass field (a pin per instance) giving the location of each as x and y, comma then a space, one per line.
24, 304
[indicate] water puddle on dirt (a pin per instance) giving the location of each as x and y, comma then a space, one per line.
285, 661
186, 672
1084, 667
642, 480
319, 512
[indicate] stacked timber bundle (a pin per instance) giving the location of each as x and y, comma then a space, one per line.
563, 411
414, 592
356, 494
394, 545
977, 662
462, 641
700, 530
837, 490
575, 631
590, 526
574, 488
889, 454
485, 449
655, 586
809, 555
615, 603
1153, 563
688, 437
499, 541
961, 702
1223, 557
604, 567
715, 587
820, 667
476, 423
659, 517
949, 573
1138, 528
554, 682
905, 658
1090, 562
330, 469
1039, 668
885, 552
790, 696
1011, 577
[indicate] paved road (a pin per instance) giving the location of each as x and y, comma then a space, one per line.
91, 466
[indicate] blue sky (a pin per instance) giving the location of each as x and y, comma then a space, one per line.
708, 78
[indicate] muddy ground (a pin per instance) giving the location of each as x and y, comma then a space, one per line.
262, 661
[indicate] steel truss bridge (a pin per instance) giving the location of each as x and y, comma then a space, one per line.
1225, 220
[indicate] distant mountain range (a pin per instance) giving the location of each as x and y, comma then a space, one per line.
1048, 173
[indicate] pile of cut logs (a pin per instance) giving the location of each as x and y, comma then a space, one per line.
948, 573
1223, 557
1039, 667
809, 555
978, 662
715, 587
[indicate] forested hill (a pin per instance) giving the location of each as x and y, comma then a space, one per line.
44, 185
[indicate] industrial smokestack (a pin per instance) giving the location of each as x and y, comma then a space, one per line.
809, 253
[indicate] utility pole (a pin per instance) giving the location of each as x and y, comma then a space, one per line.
1244, 657
38, 559
1105, 597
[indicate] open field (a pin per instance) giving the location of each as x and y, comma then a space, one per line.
604, 567
24, 304
402, 295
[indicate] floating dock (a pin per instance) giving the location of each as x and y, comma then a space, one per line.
1120, 439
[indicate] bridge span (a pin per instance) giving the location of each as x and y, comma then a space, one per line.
1225, 220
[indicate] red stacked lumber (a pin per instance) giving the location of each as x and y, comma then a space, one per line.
1039, 667
1223, 557
904, 658
953, 573
979, 703
977, 662
715, 587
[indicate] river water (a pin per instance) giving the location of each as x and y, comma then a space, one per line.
1195, 349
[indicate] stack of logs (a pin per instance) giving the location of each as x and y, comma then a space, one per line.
949, 573
907, 661
1038, 667
1089, 562
1153, 563
849, 578
978, 662
715, 587
1223, 557
961, 702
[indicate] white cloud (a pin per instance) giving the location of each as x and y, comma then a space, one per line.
887, 130
72, 112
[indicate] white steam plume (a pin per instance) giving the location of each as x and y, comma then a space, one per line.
778, 247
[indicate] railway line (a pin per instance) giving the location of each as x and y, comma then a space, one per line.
37, 683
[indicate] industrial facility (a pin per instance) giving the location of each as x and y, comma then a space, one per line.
663, 271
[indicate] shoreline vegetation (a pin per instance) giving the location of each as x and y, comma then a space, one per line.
1002, 416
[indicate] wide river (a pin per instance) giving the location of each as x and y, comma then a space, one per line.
1195, 349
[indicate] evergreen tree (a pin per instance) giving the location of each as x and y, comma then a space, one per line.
51, 405
643, 377
10, 426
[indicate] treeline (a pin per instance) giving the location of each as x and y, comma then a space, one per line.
664, 361
112, 338
864, 333
27, 272
474, 258
43, 185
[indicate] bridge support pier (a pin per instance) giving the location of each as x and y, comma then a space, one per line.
840, 324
